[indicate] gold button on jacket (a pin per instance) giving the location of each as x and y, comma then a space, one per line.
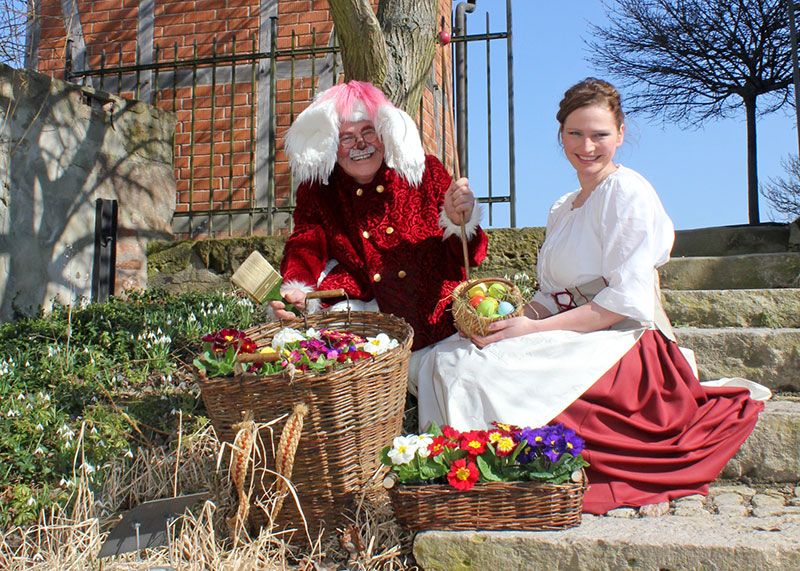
376, 278
359, 192
389, 230
401, 274
379, 189
365, 234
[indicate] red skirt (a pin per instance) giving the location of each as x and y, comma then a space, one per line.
652, 432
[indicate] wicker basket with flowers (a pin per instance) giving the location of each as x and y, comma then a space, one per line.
506, 478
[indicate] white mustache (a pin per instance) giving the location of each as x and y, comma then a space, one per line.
356, 154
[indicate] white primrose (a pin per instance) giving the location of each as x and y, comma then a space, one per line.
403, 449
423, 442
285, 336
379, 344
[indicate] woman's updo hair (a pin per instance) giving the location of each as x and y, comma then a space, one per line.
590, 91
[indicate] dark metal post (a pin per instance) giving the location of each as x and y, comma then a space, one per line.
461, 84
105, 249
68, 61
512, 168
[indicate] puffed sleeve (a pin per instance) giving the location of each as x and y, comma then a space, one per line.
306, 251
637, 237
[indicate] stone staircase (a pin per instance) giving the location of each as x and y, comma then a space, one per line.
733, 295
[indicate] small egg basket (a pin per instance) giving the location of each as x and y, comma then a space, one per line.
467, 319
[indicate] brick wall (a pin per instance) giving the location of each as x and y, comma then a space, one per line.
215, 163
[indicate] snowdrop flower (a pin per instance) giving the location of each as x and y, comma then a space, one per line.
284, 336
39, 451
31, 501
128, 453
39, 427
403, 449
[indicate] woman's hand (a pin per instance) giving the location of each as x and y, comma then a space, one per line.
294, 296
506, 329
459, 201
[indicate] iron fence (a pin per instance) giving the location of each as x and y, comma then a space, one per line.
232, 104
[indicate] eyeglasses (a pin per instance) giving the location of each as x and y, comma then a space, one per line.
349, 140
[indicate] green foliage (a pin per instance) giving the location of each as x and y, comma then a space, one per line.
82, 387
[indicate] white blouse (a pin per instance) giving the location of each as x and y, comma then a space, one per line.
621, 233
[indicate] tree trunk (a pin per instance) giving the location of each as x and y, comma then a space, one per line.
364, 54
752, 160
393, 49
409, 27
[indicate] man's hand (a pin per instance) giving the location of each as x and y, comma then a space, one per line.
459, 201
294, 296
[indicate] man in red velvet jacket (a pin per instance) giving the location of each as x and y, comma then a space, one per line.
375, 215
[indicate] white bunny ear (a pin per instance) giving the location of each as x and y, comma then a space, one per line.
311, 142
402, 143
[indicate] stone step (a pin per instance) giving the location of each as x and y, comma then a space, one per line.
733, 307
768, 356
748, 271
772, 451
735, 527
733, 240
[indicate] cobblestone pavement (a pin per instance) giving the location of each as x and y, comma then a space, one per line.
730, 500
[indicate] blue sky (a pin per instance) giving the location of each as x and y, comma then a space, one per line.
700, 174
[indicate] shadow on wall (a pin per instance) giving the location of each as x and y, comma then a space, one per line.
63, 146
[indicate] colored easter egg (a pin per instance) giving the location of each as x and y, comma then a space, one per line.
487, 307
497, 290
479, 289
475, 300
504, 308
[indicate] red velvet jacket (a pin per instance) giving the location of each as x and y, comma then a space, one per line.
389, 246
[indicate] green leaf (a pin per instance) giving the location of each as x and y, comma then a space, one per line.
200, 366
487, 470
384, 456
407, 472
434, 429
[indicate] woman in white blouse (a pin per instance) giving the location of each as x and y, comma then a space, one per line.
594, 349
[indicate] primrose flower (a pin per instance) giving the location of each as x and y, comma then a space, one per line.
504, 446
379, 344
463, 474
403, 449
285, 336
474, 442
436, 446
451, 435
422, 442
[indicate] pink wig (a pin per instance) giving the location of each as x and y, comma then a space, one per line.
313, 139
356, 100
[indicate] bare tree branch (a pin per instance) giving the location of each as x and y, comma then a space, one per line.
689, 61
784, 193
14, 18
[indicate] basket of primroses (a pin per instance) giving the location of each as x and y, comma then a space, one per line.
505, 478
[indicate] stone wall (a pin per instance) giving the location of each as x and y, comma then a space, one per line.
61, 148
207, 264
